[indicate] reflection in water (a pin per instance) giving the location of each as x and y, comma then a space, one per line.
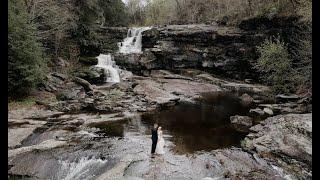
192, 127
201, 126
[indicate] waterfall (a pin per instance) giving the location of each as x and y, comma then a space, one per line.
133, 42
105, 61
84, 168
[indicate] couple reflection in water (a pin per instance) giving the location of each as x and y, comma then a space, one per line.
157, 141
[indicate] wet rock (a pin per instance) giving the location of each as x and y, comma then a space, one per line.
45, 145
102, 119
285, 140
167, 75
139, 64
69, 94
241, 87
287, 98
256, 112
210, 78
246, 99
39, 136
287, 108
168, 104
66, 106
85, 84
268, 111
245, 121
94, 75
76, 122
126, 75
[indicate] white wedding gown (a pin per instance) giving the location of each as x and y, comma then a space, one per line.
160, 143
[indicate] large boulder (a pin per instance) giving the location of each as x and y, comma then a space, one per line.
69, 94
257, 112
94, 75
53, 82
85, 84
286, 140
241, 122
246, 99
137, 63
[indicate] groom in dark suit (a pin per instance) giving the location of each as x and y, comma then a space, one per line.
154, 137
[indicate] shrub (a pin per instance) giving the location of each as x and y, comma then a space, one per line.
276, 65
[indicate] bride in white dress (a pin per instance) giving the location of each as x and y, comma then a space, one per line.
160, 143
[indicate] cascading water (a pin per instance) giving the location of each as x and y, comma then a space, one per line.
131, 44
84, 168
105, 61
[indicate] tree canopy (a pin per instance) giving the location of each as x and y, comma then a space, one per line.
25, 58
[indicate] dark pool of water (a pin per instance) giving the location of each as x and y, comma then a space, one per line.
204, 125
201, 126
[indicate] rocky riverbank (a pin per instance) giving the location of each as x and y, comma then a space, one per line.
66, 141
85, 128
48, 134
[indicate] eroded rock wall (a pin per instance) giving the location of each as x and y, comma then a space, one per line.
227, 51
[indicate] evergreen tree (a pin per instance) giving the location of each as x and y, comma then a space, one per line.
25, 61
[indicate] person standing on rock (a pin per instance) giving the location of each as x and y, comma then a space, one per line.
160, 144
154, 137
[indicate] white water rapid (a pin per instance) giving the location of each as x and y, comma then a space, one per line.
111, 69
82, 169
131, 44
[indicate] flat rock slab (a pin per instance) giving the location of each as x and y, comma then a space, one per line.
20, 129
165, 90
259, 89
45, 145
16, 136
22, 122
153, 91
35, 113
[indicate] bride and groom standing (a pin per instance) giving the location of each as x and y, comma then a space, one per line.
157, 140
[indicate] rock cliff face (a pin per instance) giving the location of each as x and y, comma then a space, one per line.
226, 50
230, 51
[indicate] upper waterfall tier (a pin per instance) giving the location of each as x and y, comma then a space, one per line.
133, 42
